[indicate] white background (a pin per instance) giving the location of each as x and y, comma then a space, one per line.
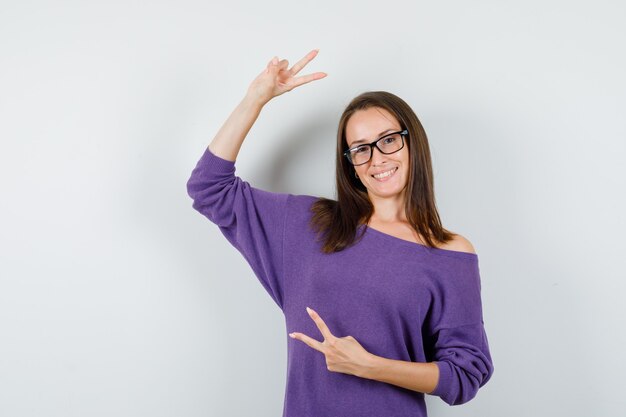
118, 299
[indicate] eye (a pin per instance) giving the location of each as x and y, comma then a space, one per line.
361, 149
391, 139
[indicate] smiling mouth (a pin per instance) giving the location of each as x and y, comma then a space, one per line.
386, 175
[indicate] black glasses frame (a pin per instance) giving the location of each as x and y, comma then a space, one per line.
402, 133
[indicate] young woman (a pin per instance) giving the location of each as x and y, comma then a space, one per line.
394, 296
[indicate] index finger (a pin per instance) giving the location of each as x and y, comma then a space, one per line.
300, 64
303, 79
320, 324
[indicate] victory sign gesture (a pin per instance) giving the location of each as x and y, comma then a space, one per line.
343, 354
277, 79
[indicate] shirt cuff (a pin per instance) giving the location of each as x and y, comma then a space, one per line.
209, 159
445, 376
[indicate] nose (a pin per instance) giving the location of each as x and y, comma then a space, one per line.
377, 156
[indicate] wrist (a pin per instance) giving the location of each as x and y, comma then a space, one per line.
253, 101
369, 367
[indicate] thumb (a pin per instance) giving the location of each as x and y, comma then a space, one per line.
272, 66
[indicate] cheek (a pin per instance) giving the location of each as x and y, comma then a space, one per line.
361, 170
406, 163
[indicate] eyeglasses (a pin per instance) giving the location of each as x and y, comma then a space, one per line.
387, 144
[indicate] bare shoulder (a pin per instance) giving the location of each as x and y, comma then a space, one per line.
459, 243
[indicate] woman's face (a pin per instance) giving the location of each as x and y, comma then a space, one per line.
365, 126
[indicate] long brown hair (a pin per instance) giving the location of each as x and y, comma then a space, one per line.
336, 221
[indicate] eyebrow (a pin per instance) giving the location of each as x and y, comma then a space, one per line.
365, 140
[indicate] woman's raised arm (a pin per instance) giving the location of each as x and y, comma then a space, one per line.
253, 220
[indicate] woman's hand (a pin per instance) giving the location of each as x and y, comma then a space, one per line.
343, 354
276, 79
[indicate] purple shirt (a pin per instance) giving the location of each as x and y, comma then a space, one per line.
398, 299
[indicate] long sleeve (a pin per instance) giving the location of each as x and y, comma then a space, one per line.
252, 220
456, 335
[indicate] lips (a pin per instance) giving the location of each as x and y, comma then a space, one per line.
385, 178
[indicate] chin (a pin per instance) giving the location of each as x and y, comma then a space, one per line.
387, 193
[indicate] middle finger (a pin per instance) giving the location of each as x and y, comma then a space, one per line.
300, 64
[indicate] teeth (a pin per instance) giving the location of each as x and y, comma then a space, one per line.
384, 174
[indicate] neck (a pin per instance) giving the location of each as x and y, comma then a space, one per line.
388, 209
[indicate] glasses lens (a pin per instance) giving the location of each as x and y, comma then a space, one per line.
360, 155
391, 143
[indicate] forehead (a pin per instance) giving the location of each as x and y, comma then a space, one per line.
364, 126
